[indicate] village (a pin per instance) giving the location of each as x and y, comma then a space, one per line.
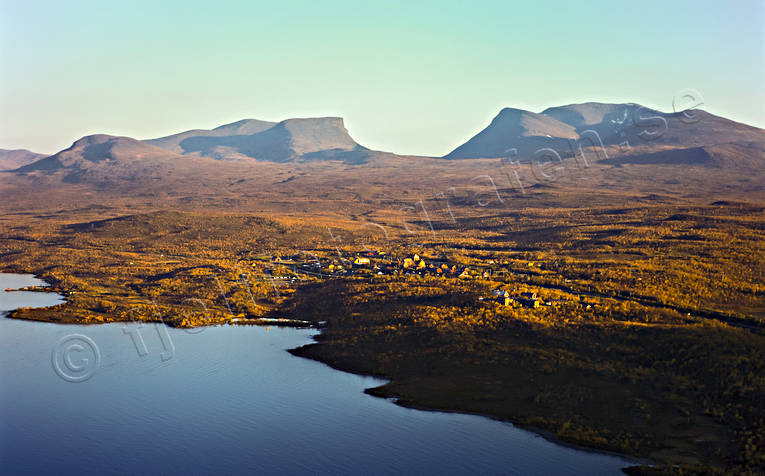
308, 266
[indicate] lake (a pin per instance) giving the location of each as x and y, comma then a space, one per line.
145, 399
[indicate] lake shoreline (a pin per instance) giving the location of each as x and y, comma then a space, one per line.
303, 352
314, 351
579, 456
355, 364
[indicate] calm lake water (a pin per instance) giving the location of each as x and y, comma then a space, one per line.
227, 400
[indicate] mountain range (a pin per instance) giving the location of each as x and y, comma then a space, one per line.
290, 140
629, 133
633, 128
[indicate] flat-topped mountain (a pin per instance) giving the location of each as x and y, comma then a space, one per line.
637, 129
13, 159
323, 138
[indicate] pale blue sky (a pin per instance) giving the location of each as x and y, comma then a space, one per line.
413, 77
